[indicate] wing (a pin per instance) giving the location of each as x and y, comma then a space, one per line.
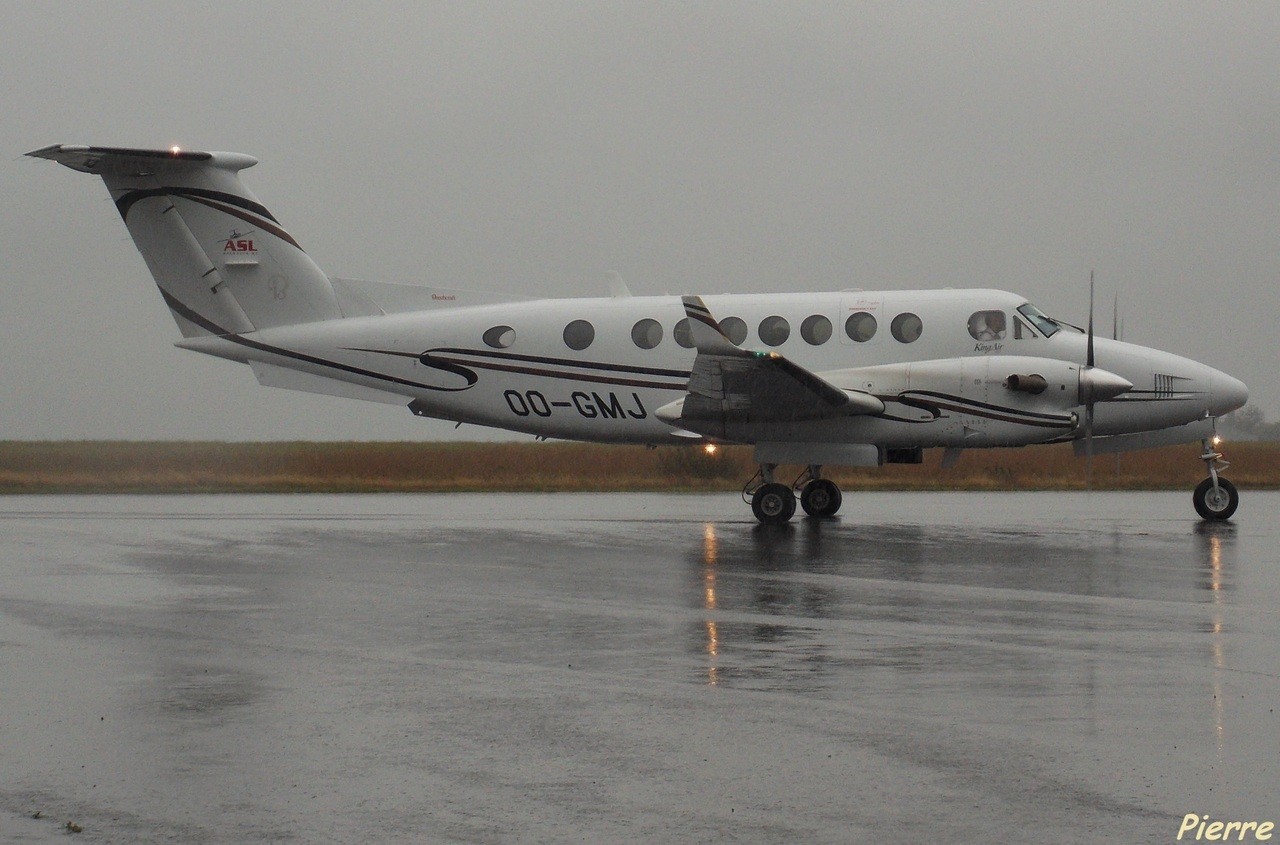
729, 384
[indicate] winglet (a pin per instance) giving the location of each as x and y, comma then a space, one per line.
707, 335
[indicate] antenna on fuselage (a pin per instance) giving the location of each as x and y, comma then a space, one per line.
1116, 331
617, 285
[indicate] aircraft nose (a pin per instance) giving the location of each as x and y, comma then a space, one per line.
1228, 394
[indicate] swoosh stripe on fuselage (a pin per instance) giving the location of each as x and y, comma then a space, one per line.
510, 362
982, 409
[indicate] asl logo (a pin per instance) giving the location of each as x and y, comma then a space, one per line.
238, 243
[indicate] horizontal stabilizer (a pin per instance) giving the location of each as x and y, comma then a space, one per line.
127, 161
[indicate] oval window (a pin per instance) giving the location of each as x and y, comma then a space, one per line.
499, 337
815, 330
579, 334
647, 333
683, 334
860, 327
774, 330
987, 325
906, 327
734, 329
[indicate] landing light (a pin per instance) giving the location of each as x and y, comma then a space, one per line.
710, 448
175, 149
1217, 440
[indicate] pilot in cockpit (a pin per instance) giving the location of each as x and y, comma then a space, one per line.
987, 325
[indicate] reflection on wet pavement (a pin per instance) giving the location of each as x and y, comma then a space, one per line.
601, 667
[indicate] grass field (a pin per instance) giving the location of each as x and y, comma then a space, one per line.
213, 467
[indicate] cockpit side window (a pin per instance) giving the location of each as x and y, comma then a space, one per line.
987, 325
1046, 326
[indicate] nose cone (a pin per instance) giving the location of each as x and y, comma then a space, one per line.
1097, 385
1227, 394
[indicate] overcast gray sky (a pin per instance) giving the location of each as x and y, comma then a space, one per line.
692, 147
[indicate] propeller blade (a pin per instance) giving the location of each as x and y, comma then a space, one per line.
1088, 446
1088, 396
1088, 361
1115, 317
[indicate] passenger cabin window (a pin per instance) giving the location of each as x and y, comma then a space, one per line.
499, 337
1047, 327
682, 334
646, 334
774, 331
860, 327
906, 328
734, 329
579, 334
816, 330
987, 325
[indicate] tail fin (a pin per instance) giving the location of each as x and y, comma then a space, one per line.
223, 262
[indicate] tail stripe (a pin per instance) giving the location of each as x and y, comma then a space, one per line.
226, 203
191, 316
248, 218
126, 201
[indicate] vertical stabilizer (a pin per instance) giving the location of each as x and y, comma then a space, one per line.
223, 263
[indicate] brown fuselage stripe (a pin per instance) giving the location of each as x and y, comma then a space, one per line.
535, 371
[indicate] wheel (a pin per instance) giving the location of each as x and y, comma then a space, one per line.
773, 503
1216, 504
820, 497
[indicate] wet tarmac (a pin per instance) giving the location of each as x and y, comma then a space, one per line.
1051, 667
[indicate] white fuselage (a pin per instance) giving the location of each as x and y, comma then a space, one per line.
947, 387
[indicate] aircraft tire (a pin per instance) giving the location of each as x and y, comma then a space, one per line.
821, 497
1216, 504
773, 503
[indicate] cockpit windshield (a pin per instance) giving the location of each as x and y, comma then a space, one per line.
1047, 326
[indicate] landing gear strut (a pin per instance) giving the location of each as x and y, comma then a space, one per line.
774, 503
1215, 498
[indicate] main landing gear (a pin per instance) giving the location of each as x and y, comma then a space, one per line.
1215, 498
774, 503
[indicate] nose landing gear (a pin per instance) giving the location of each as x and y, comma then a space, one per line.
1215, 498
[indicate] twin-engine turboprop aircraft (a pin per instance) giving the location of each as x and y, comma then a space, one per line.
857, 378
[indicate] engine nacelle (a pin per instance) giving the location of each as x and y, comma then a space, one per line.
1017, 380
989, 400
